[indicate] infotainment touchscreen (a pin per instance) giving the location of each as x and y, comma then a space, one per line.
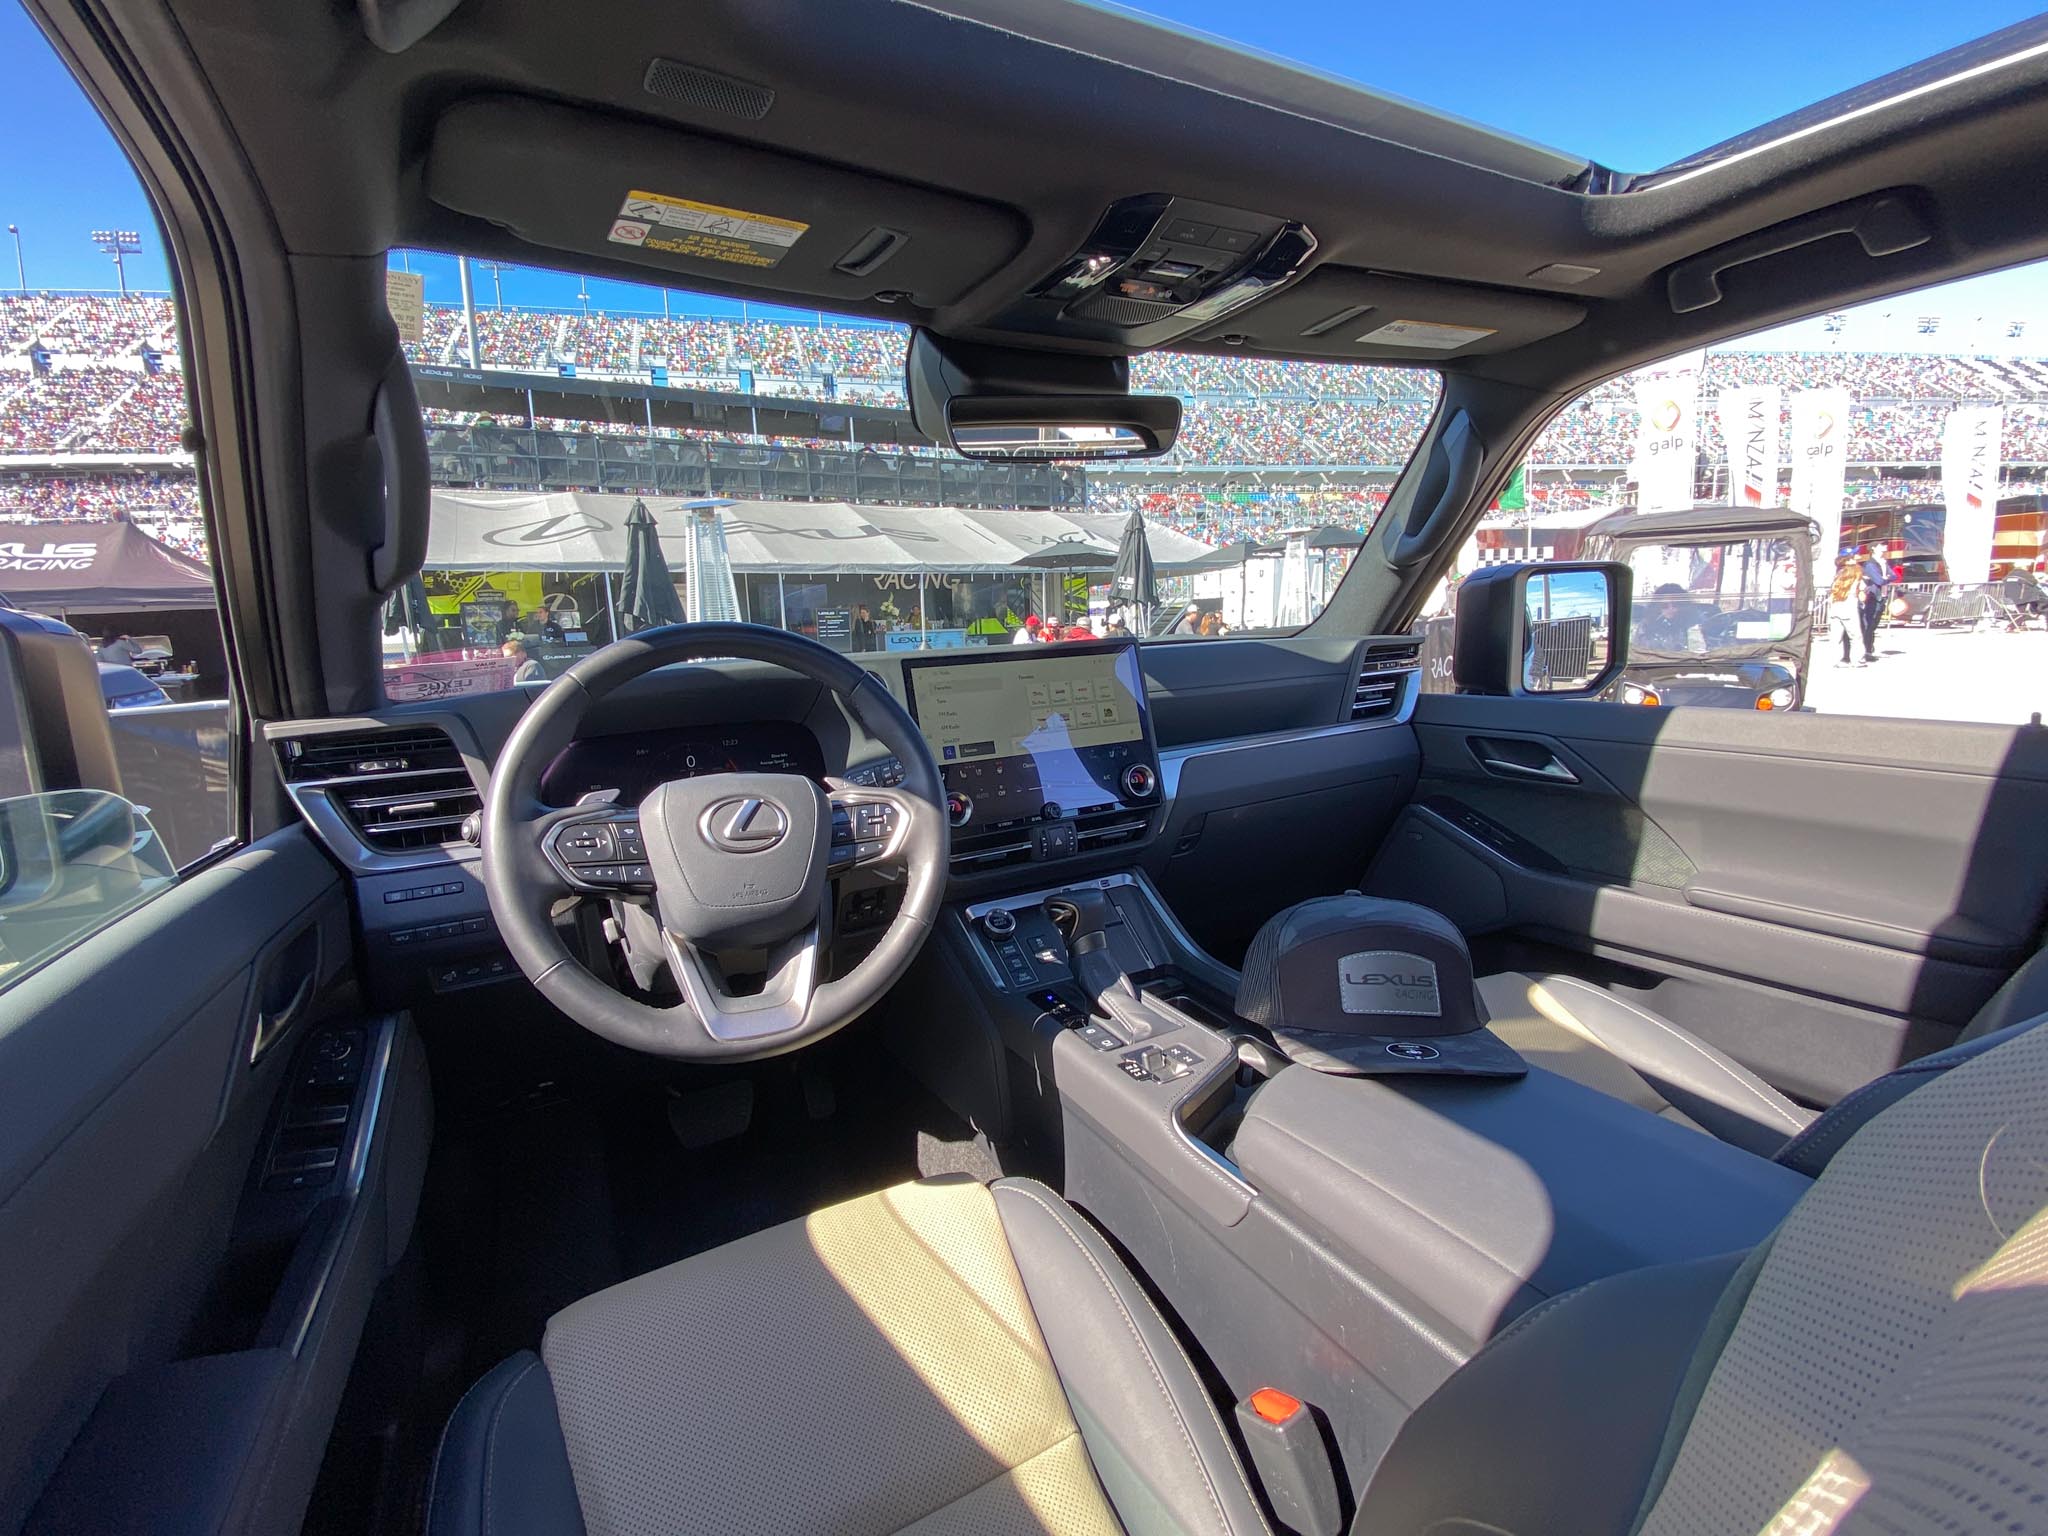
1027, 729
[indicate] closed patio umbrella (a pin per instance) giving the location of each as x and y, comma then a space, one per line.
1131, 580
647, 594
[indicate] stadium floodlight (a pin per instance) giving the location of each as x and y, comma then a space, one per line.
118, 243
1837, 323
20, 272
2015, 329
1927, 325
497, 271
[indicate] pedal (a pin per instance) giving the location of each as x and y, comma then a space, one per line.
703, 1117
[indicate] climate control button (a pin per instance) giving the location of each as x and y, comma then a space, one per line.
1140, 781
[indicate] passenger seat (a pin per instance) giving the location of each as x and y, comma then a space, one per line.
1628, 1052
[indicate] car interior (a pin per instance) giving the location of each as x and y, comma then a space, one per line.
740, 1086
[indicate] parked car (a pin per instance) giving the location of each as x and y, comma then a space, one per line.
128, 688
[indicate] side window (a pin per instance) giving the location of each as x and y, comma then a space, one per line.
114, 687
1841, 516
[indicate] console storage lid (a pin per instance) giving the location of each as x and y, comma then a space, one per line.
1476, 1199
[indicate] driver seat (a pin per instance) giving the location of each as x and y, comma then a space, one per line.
943, 1357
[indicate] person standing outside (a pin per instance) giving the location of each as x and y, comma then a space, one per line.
1027, 632
116, 649
1846, 608
1872, 571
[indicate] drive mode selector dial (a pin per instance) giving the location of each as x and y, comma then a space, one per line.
959, 808
1140, 781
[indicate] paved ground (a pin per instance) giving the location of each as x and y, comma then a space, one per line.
1938, 674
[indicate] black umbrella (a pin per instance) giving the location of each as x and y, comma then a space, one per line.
1071, 552
647, 595
1130, 580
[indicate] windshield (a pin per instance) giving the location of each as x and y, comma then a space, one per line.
607, 456
1714, 599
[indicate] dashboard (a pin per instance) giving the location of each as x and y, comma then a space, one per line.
634, 764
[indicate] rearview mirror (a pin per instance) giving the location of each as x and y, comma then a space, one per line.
1556, 630
1083, 427
1008, 403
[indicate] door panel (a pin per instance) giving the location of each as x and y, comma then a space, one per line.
130, 1115
1818, 895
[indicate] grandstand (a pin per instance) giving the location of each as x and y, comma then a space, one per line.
92, 400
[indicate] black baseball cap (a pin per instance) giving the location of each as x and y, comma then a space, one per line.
1359, 985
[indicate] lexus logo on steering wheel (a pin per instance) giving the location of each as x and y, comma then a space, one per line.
745, 825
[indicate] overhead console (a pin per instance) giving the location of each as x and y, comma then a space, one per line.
1157, 267
1046, 751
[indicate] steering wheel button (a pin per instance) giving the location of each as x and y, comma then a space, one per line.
872, 849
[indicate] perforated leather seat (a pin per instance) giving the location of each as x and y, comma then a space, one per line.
1629, 1052
942, 1357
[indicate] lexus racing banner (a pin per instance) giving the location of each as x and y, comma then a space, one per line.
1749, 428
1820, 461
1665, 441
1969, 488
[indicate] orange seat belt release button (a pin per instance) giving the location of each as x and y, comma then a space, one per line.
1275, 1406
1290, 1454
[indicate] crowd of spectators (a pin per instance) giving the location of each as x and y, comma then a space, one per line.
93, 325
94, 394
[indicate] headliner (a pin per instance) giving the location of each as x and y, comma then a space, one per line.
1005, 149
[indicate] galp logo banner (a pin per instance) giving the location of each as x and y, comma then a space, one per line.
1749, 430
1666, 441
1820, 460
1969, 488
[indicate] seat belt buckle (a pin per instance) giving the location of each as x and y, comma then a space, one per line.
1285, 1441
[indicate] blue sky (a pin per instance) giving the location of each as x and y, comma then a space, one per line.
1633, 85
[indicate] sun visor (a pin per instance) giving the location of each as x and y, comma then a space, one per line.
1344, 313
583, 183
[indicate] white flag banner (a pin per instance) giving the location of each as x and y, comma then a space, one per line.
1666, 442
1820, 461
1969, 488
1749, 429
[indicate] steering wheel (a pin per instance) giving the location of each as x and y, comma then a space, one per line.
722, 876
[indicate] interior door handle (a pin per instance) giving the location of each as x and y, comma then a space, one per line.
1550, 771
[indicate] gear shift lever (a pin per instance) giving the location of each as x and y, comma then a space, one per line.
1085, 919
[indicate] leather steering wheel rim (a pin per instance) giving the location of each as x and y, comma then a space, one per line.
524, 886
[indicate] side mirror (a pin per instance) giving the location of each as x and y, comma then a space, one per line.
54, 732
1009, 403
1541, 630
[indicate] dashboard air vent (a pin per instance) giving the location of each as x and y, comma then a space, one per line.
1383, 674
399, 790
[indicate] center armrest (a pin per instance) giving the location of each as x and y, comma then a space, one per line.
1477, 1199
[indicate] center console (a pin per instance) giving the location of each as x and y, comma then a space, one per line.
1348, 1239
1046, 751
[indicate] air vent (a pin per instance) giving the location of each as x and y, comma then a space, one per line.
398, 790
1383, 674
1093, 832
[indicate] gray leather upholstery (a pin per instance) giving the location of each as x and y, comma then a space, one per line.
1590, 1378
1151, 1429
1569, 1026
502, 1466
935, 1358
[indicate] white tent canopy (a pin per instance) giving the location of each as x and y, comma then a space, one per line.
580, 531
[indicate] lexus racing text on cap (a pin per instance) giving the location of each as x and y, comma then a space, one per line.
1355, 984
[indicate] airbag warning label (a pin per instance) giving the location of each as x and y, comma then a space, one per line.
703, 231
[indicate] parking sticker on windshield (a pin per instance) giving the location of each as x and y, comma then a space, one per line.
1426, 333
705, 231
